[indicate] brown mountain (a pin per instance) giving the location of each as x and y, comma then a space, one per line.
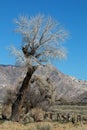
66, 88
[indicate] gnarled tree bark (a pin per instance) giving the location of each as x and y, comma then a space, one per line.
19, 102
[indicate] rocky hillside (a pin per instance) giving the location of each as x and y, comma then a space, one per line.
9, 78
65, 88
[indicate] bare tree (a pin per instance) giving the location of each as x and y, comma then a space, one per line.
42, 39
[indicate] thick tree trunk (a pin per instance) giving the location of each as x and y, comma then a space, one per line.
18, 104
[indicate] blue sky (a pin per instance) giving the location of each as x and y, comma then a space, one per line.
72, 14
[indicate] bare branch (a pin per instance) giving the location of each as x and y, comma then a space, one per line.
42, 39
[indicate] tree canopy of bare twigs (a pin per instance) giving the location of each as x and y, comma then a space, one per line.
42, 39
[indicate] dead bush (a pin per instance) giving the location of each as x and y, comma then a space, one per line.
37, 114
9, 99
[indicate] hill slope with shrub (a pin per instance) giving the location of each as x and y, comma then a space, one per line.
64, 88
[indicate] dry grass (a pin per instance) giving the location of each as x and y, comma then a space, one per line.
69, 126
16, 126
81, 109
8, 125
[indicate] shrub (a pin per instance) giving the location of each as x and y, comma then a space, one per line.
9, 99
37, 114
43, 126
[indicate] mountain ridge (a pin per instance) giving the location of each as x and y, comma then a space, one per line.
67, 87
